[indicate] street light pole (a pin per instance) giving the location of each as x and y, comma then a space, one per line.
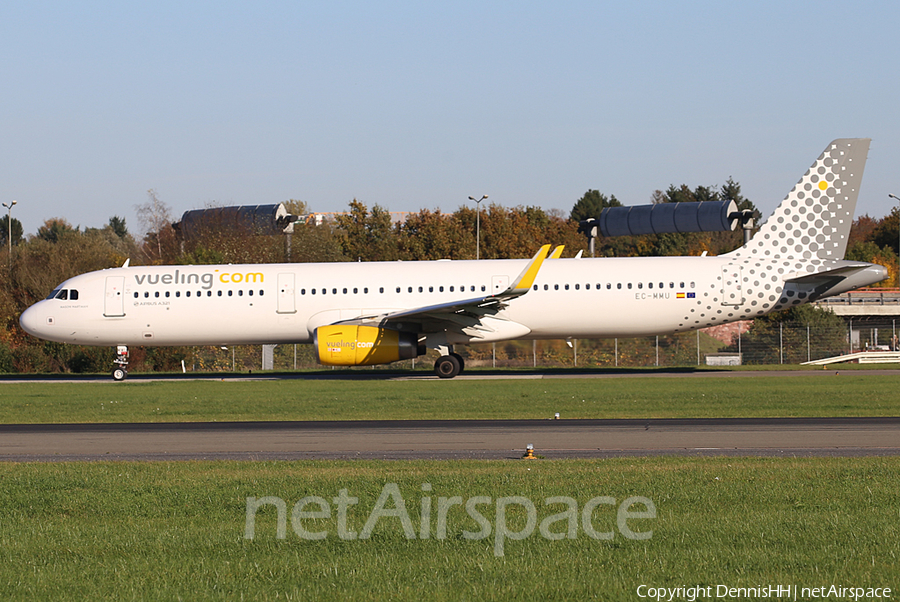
477, 225
896, 198
9, 230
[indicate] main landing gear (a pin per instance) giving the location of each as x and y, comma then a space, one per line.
120, 371
448, 366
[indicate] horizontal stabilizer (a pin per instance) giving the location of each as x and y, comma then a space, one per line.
844, 276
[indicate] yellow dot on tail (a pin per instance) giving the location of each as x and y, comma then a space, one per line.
823, 185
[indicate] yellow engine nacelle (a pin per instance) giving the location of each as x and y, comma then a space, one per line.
355, 345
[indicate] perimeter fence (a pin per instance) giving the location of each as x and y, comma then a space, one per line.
770, 343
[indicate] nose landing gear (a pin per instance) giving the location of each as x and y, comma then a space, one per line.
120, 371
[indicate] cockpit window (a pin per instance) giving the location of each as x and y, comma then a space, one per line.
64, 294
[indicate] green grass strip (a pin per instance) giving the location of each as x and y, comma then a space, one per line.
825, 394
176, 530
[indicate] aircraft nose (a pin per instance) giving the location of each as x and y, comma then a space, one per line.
33, 320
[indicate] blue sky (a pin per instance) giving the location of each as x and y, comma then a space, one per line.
418, 105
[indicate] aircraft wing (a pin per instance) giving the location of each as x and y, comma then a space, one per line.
464, 315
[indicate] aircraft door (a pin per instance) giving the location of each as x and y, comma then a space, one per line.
114, 299
732, 292
286, 299
499, 284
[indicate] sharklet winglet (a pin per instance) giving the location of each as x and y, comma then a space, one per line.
526, 278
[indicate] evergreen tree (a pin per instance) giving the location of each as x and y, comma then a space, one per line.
731, 191
5, 230
117, 225
591, 204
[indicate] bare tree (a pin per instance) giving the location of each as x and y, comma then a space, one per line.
155, 223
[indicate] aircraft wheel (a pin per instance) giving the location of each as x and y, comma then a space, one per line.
447, 366
119, 374
462, 362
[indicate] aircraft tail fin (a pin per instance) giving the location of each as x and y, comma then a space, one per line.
813, 221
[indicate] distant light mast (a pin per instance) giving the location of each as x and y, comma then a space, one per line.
477, 224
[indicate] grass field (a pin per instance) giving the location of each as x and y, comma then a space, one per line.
177, 531
849, 393
170, 531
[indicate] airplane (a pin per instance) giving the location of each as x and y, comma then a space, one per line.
357, 314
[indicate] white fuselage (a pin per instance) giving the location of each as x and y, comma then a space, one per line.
285, 303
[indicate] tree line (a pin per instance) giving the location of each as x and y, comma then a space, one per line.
58, 250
